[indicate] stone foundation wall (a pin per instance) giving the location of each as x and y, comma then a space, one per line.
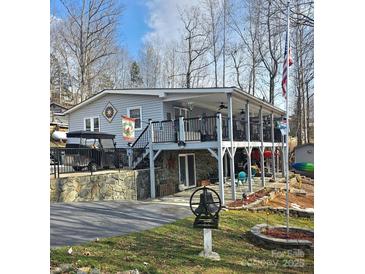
131, 184
206, 166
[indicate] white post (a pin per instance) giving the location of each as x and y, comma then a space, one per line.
152, 164
208, 246
283, 172
220, 157
225, 165
230, 131
248, 135
287, 121
224, 43
262, 159
272, 146
181, 129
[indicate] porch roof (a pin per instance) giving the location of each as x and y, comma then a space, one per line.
208, 98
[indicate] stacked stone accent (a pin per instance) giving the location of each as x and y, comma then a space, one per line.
99, 187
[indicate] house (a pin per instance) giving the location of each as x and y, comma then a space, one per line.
186, 135
58, 125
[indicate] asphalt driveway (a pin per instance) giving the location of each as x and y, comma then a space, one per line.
76, 223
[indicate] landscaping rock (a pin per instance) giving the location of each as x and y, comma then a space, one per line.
133, 271
66, 267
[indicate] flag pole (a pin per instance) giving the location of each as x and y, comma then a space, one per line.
287, 122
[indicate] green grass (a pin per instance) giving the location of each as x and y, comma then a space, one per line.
174, 248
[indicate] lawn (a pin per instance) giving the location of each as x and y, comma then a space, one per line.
174, 248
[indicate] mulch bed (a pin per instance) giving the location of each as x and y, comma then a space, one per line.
306, 201
279, 232
250, 198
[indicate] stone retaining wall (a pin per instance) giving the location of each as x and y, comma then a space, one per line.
130, 184
123, 185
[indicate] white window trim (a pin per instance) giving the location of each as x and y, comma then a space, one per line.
92, 123
140, 115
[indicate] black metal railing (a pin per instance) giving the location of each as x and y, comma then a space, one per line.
193, 129
165, 131
142, 139
70, 160
208, 126
267, 132
239, 130
255, 131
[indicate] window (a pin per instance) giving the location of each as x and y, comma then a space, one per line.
136, 113
168, 116
181, 112
92, 124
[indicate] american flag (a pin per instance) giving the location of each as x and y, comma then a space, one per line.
285, 66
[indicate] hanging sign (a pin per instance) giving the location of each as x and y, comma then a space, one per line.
128, 128
109, 112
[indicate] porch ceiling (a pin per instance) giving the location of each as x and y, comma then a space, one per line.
211, 101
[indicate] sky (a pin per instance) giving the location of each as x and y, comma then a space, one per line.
142, 20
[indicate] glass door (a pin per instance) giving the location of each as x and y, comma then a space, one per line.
187, 172
182, 170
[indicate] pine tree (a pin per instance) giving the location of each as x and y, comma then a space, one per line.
136, 79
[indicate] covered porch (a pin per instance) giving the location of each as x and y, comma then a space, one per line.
221, 121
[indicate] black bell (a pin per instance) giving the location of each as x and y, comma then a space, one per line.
206, 204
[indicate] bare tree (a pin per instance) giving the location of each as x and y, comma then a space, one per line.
150, 63
89, 34
270, 46
197, 44
302, 41
244, 21
213, 26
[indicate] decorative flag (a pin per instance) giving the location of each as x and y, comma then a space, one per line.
285, 66
128, 128
282, 125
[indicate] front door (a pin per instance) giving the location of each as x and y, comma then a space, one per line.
187, 174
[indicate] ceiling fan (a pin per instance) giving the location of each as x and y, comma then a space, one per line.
222, 106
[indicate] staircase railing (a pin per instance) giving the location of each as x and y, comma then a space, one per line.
140, 144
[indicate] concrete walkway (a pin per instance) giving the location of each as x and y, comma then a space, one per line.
76, 223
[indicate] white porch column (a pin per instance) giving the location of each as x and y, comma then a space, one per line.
220, 157
181, 130
248, 150
262, 159
282, 157
233, 151
152, 163
273, 147
225, 164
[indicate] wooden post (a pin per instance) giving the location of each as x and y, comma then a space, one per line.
230, 131
220, 157
152, 164
181, 130
273, 147
262, 150
249, 173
